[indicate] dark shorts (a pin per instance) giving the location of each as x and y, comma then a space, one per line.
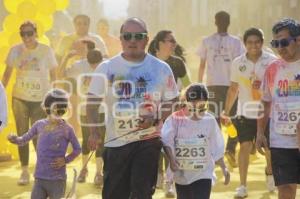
285, 166
199, 189
246, 128
130, 171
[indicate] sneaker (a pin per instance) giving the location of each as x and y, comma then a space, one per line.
160, 181
98, 179
82, 176
231, 159
270, 183
24, 178
241, 192
169, 190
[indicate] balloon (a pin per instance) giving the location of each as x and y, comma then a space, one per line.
44, 40
61, 4
12, 5
4, 38
26, 10
46, 7
40, 27
14, 39
46, 20
12, 23
4, 51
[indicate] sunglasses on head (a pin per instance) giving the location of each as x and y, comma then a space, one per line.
26, 33
127, 36
282, 42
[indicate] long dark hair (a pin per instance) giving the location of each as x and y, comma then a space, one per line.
160, 36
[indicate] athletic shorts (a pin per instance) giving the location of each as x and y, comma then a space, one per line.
246, 128
285, 166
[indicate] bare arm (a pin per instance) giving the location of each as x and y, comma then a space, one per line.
201, 70
63, 64
92, 109
231, 97
171, 158
261, 141
6, 75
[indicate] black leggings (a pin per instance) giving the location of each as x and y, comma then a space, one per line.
199, 189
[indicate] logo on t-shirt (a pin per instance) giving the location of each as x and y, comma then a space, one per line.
242, 68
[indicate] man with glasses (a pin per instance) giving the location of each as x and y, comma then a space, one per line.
281, 100
137, 89
218, 52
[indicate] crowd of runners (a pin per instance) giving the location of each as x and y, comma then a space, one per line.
147, 124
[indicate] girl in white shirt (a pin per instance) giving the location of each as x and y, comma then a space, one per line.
194, 144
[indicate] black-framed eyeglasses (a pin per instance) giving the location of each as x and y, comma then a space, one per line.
138, 36
282, 42
26, 33
173, 41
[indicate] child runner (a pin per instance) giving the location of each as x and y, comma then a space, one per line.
82, 70
53, 136
193, 142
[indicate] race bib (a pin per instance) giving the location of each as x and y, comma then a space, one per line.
126, 126
192, 153
29, 85
286, 118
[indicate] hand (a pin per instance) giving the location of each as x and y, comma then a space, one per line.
12, 138
58, 163
72, 53
174, 165
225, 119
146, 122
226, 175
261, 143
94, 141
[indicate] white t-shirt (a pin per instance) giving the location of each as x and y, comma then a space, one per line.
243, 72
33, 71
82, 72
126, 88
179, 128
3, 107
281, 86
219, 52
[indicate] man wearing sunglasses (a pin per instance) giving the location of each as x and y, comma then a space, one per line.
35, 67
135, 86
281, 100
